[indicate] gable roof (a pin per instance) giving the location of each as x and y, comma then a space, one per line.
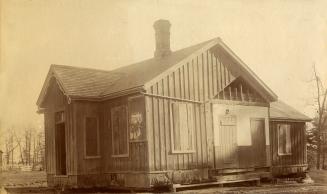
280, 111
77, 82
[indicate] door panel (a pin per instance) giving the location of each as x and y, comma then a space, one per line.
258, 141
226, 151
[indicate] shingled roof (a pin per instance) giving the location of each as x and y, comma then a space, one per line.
280, 111
78, 82
85, 83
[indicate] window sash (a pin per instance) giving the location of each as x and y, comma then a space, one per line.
90, 130
182, 130
119, 127
284, 139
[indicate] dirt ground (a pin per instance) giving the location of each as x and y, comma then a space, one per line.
38, 179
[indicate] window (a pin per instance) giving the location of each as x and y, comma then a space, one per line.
59, 117
91, 137
119, 131
136, 118
182, 124
284, 139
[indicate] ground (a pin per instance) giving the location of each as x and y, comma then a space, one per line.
38, 179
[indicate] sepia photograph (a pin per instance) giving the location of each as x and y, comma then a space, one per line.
163, 96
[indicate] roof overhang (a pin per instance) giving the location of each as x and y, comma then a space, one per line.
51, 75
289, 120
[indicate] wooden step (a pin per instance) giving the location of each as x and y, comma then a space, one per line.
237, 177
231, 171
220, 183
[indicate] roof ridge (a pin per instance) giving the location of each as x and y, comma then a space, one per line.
173, 52
124, 66
78, 67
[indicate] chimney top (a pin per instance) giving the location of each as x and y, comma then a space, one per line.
162, 38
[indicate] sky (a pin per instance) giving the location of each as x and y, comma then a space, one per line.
279, 40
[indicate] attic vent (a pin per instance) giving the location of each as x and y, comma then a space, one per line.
162, 30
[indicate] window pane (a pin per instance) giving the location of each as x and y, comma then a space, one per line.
288, 138
136, 118
91, 136
177, 145
119, 130
183, 126
284, 138
190, 122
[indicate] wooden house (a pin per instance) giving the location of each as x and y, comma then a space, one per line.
194, 115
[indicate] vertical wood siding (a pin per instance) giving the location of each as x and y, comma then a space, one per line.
107, 163
298, 145
199, 79
54, 102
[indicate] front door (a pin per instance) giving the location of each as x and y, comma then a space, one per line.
258, 141
60, 142
226, 153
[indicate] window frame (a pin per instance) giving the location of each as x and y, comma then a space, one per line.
112, 132
143, 112
173, 151
290, 142
98, 155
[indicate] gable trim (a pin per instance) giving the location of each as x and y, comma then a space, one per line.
265, 91
46, 85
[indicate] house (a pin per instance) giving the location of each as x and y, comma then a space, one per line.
194, 115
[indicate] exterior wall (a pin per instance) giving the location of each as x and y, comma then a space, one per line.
297, 161
137, 158
56, 101
108, 170
244, 114
196, 81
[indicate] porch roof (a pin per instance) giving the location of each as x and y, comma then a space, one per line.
280, 111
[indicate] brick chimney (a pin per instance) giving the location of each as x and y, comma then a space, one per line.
162, 30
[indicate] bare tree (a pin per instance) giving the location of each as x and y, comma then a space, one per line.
18, 140
321, 113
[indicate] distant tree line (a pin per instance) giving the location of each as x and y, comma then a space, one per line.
26, 148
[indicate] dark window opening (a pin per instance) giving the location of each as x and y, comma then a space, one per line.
91, 136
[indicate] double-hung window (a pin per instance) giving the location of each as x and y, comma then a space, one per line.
92, 143
284, 139
119, 131
182, 127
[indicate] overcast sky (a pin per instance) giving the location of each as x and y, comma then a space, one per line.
279, 40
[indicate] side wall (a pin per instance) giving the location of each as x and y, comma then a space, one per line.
56, 101
109, 170
297, 161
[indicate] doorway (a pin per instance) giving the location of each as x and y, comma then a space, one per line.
60, 143
226, 152
258, 141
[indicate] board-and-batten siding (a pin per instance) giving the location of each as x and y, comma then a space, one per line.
197, 80
55, 102
298, 145
137, 158
107, 163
